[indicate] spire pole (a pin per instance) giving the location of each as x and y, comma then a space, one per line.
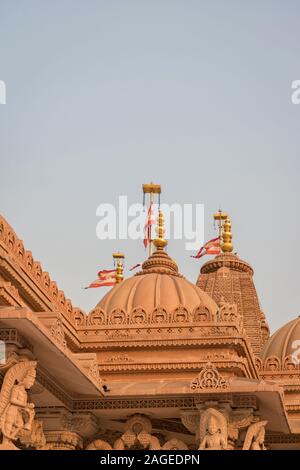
151, 189
160, 242
220, 216
118, 259
227, 246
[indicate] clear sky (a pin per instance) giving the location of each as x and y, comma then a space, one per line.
103, 96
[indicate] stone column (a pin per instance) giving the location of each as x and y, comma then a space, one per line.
63, 440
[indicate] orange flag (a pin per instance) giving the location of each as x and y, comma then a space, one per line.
212, 247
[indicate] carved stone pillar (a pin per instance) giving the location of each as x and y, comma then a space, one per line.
63, 440
65, 430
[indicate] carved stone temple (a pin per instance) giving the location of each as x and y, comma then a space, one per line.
159, 363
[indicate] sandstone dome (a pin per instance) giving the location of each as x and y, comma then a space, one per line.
158, 286
281, 342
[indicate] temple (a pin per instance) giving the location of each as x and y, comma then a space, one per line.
159, 363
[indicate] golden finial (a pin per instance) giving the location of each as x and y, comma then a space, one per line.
118, 258
160, 242
151, 188
220, 216
227, 245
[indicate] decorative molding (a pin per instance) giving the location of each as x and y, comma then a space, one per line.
12, 248
238, 401
273, 365
10, 294
277, 438
208, 379
12, 336
138, 316
238, 362
57, 331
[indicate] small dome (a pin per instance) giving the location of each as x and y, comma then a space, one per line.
158, 285
281, 342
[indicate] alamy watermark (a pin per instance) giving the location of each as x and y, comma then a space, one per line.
296, 353
2, 352
295, 96
182, 222
2, 92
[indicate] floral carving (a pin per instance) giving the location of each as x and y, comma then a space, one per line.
57, 331
209, 378
228, 312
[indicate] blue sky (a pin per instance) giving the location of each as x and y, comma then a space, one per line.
103, 96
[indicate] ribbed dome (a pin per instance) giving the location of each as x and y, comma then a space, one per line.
280, 343
158, 285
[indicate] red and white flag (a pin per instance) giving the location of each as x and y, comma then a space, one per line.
105, 278
135, 266
105, 273
212, 247
149, 222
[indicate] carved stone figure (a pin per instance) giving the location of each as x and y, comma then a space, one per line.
137, 435
213, 430
35, 437
16, 413
255, 436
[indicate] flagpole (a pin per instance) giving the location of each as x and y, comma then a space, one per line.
220, 217
151, 189
118, 259
151, 241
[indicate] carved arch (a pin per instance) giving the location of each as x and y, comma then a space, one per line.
138, 315
159, 315
272, 363
180, 315
117, 317
202, 314
96, 317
